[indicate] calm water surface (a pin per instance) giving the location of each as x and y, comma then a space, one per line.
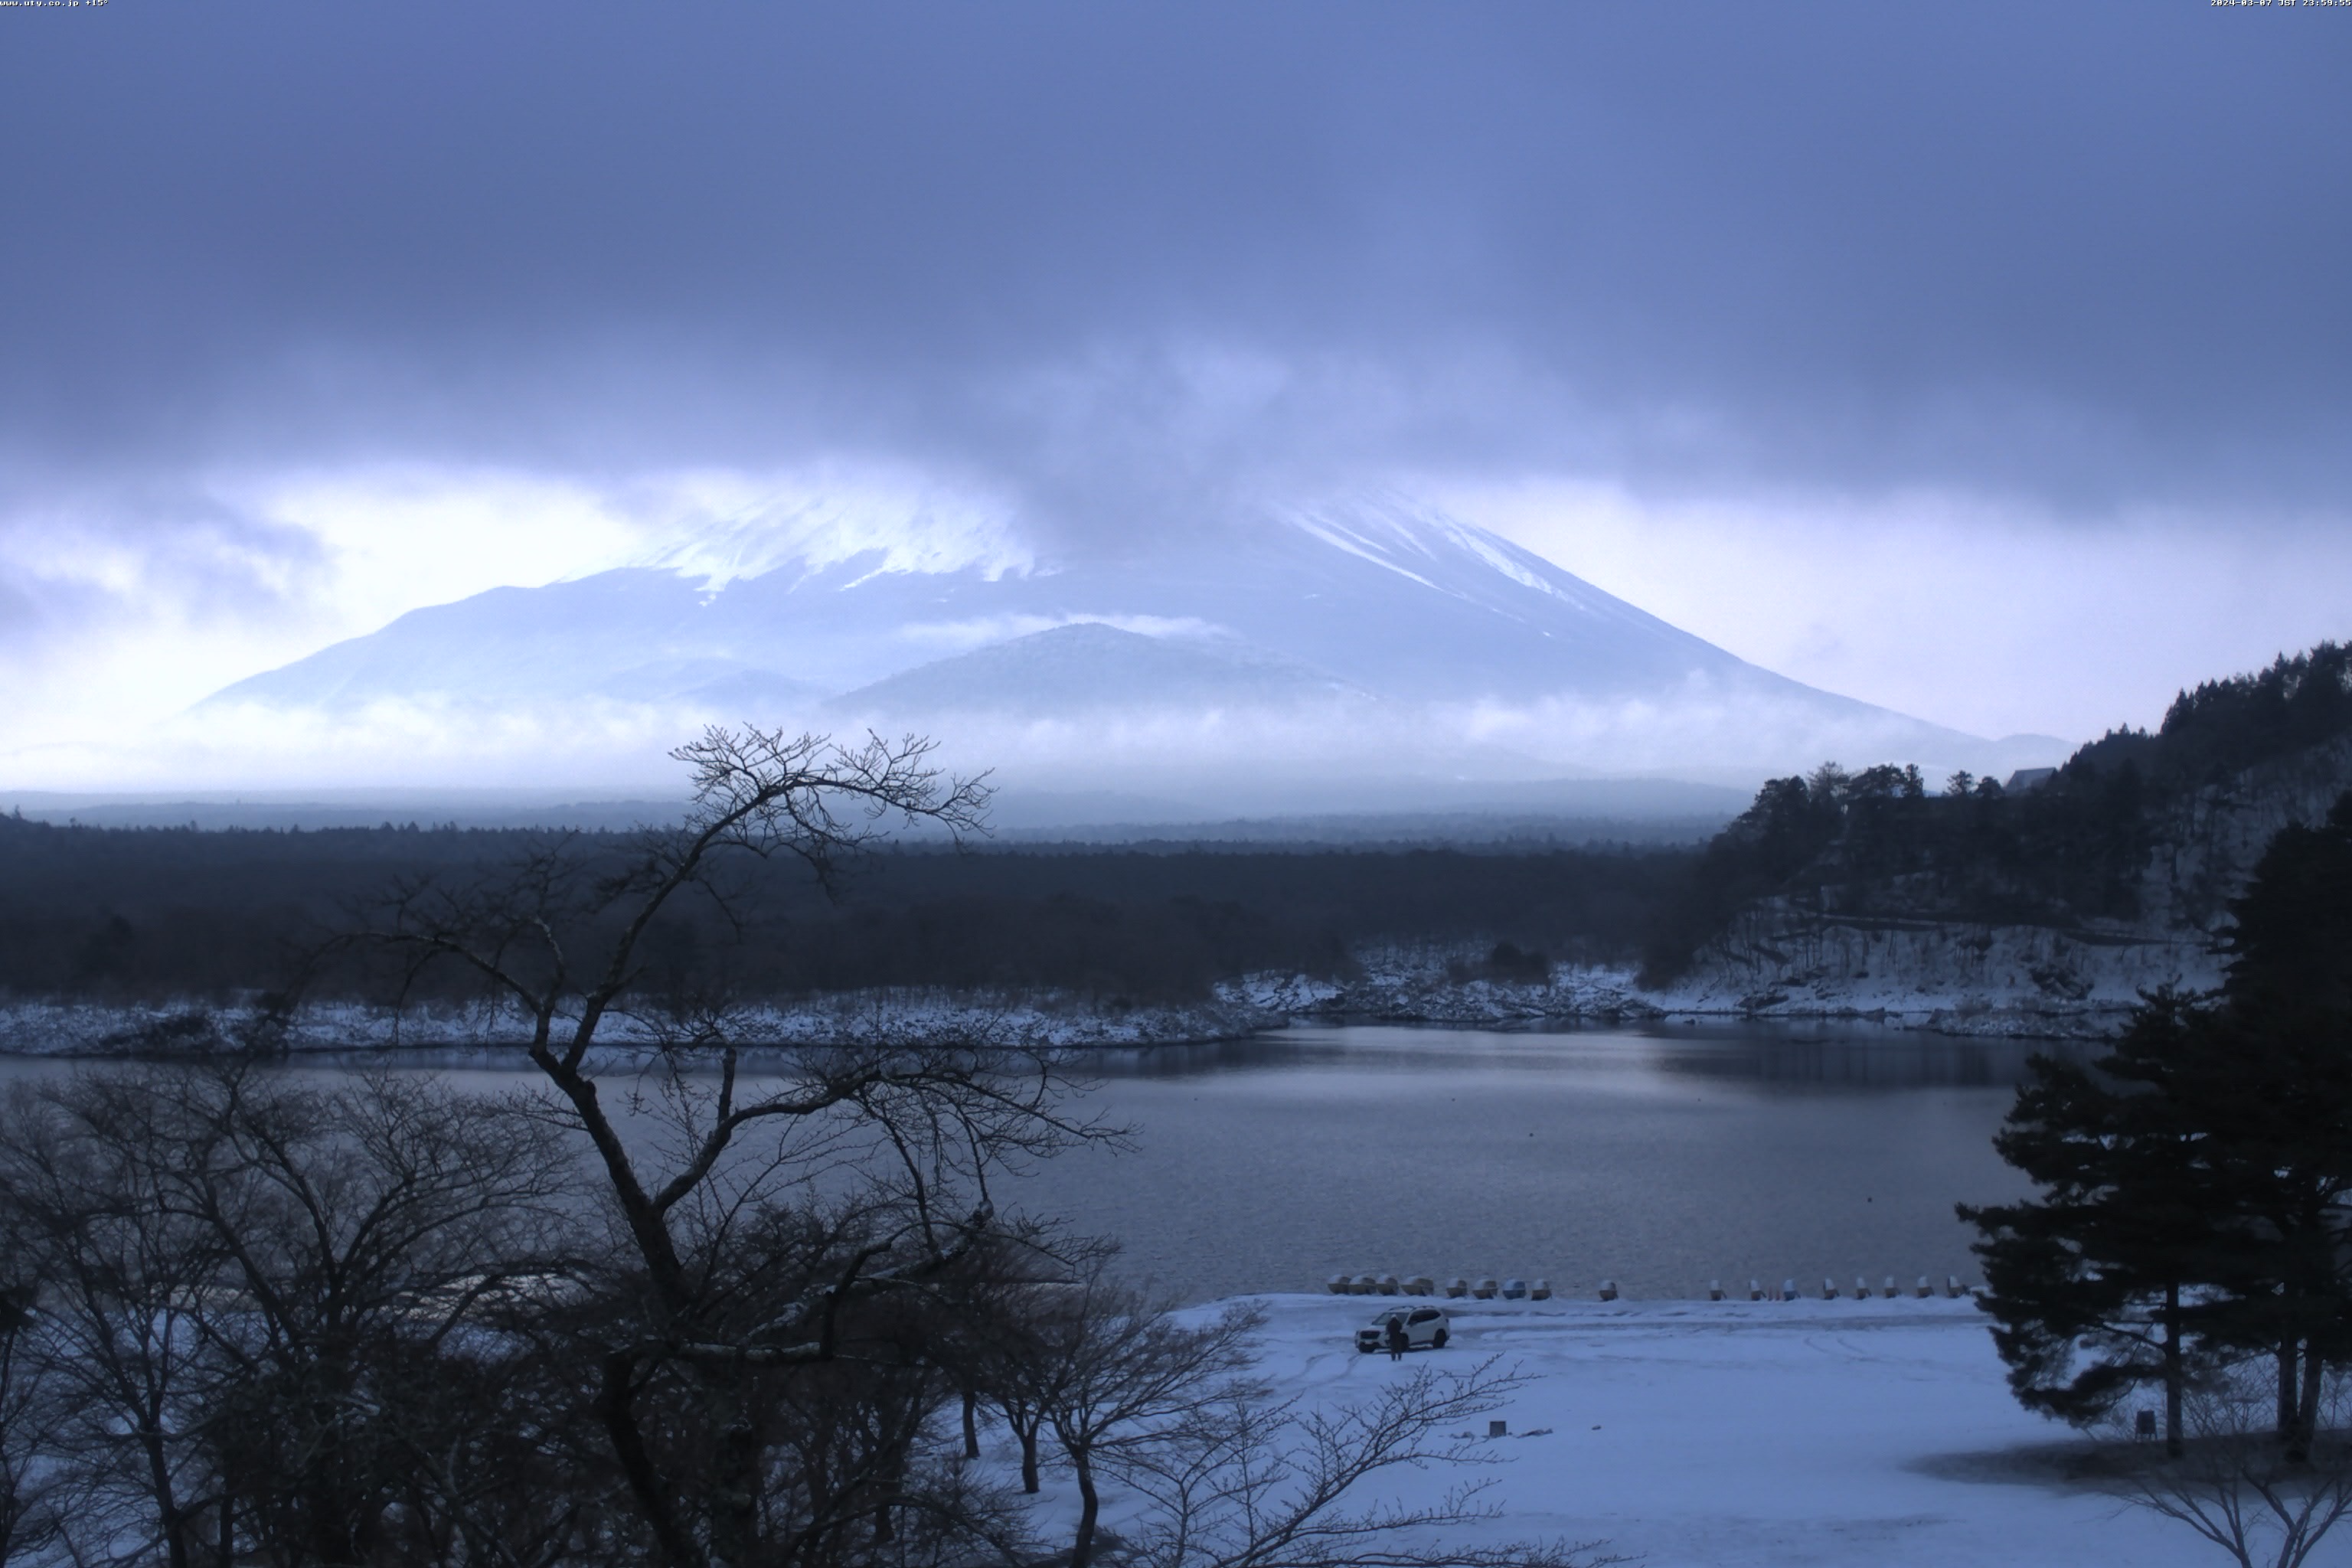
1660, 1157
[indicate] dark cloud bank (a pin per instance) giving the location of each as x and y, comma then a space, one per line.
2092, 254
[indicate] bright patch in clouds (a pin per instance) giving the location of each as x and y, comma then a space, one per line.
391, 540
281, 565
1997, 619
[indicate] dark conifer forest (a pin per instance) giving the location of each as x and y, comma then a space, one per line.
151, 913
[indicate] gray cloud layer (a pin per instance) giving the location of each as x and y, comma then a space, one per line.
2092, 254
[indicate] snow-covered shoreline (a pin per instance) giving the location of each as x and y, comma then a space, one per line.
82, 1029
66, 1029
2004, 993
1429, 985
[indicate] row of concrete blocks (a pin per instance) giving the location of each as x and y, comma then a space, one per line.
1788, 1291
1422, 1285
1540, 1289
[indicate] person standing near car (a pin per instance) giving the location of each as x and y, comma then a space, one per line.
1396, 1339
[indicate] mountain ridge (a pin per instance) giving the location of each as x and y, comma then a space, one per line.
1369, 636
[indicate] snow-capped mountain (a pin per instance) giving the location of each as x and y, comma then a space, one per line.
1333, 654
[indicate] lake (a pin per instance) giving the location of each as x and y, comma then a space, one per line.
1661, 1156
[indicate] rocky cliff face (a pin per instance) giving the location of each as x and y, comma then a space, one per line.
2208, 844
1786, 958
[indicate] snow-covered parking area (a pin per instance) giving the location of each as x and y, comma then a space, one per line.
1766, 1432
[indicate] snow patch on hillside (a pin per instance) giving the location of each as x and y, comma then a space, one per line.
897, 527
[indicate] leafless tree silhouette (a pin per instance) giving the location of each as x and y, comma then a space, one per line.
801, 1219
2236, 1484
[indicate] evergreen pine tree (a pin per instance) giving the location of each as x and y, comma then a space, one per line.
2274, 1096
2197, 1182
2092, 1284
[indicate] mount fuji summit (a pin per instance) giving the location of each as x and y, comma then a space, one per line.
1370, 655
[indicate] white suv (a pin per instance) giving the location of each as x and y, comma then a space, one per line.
1424, 1329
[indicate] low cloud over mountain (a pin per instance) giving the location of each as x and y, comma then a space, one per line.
1367, 653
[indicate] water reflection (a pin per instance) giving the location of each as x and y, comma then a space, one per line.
1909, 1060
1866, 1056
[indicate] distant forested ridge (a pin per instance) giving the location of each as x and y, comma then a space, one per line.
150, 915
2138, 840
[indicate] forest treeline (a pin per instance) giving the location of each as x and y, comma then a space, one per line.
155, 913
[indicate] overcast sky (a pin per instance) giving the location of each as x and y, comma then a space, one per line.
1993, 362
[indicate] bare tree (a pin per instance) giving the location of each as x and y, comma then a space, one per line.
773, 1224
1173, 1409
1113, 1372
122, 1283
1278, 1486
369, 1237
29, 1482
276, 1308
2237, 1482
997, 1353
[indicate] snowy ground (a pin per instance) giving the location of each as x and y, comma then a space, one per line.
1735, 1434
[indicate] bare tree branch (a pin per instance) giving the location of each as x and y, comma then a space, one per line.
2235, 1483
1255, 1486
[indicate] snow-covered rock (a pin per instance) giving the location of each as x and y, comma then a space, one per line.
2029, 981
